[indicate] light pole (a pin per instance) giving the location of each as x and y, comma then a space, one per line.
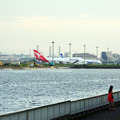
53, 53
59, 51
50, 51
97, 54
84, 53
107, 55
69, 51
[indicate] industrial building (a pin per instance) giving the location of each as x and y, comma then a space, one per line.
109, 57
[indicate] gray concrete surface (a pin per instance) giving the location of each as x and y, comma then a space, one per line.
104, 115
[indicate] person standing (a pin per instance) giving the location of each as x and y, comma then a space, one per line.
111, 99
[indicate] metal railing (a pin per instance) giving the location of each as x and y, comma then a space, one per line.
60, 109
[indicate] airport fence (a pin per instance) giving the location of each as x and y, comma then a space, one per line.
66, 108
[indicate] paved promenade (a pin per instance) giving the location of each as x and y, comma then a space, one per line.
104, 115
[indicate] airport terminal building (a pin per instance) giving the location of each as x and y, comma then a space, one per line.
85, 55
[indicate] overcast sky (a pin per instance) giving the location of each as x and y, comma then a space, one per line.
24, 24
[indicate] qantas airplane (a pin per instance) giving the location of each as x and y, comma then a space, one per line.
58, 60
64, 60
39, 56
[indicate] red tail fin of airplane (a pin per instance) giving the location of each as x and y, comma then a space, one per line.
39, 56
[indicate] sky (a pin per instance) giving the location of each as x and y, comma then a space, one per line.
24, 24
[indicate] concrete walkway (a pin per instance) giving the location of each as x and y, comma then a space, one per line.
104, 115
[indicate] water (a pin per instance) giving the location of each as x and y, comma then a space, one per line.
23, 89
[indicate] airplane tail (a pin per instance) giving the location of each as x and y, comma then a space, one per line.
61, 55
39, 56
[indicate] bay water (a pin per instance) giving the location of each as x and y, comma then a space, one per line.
24, 89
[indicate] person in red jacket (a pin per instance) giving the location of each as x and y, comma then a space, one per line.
110, 99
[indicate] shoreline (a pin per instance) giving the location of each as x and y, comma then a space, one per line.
96, 66
28, 68
75, 66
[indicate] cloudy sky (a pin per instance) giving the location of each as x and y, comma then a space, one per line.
24, 24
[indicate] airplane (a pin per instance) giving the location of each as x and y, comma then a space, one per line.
93, 61
39, 56
58, 60
65, 60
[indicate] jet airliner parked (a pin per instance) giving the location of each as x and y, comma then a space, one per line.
62, 59
75, 60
